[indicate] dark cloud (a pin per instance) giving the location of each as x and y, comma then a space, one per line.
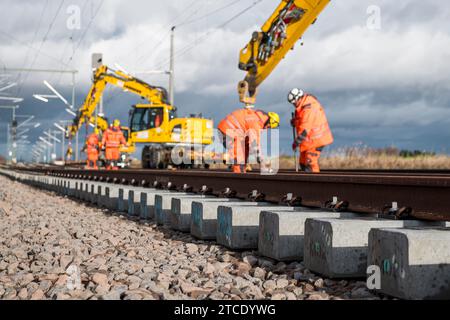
380, 88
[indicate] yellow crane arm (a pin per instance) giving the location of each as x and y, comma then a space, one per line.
104, 76
278, 35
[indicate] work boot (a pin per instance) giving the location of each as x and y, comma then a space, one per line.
239, 169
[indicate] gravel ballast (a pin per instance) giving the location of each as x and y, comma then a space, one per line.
57, 248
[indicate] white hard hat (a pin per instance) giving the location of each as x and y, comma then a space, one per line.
295, 95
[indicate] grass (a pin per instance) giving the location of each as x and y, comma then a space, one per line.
364, 158
377, 162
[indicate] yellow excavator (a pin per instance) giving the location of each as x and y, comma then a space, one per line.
154, 123
268, 47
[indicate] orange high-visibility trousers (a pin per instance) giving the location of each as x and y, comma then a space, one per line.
237, 152
92, 158
92, 155
112, 139
91, 165
309, 161
112, 155
92, 144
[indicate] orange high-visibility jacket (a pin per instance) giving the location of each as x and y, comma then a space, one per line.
245, 120
241, 124
311, 124
92, 143
113, 138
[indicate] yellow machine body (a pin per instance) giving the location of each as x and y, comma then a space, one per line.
172, 130
168, 132
278, 35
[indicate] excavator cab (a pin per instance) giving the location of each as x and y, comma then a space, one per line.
151, 120
147, 117
158, 126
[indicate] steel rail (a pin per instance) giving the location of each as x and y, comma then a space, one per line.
396, 172
419, 197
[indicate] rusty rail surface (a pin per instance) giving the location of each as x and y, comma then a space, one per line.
405, 172
419, 195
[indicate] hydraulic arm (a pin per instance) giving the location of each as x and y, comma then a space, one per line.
154, 123
103, 76
278, 35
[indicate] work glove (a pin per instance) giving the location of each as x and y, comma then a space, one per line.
294, 146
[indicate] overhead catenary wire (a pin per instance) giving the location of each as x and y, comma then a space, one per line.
44, 39
255, 3
166, 34
159, 42
186, 49
155, 48
39, 50
181, 52
209, 14
86, 30
187, 22
6, 35
34, 38
196, 10
161, 39
71, 38
75, 49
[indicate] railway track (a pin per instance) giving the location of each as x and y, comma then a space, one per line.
407, 172
338, 222
401, 194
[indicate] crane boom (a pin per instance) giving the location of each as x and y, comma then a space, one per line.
278, 35
103, 76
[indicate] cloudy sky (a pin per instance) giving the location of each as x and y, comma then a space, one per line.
382, 83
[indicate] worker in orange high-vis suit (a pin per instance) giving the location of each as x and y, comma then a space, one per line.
311, 126
241, 134
112, 140
92, 148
